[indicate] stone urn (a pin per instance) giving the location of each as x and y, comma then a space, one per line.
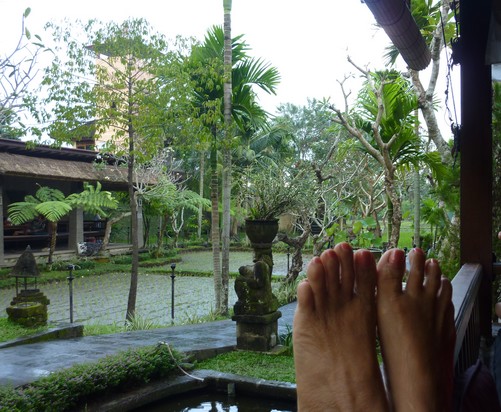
261, 231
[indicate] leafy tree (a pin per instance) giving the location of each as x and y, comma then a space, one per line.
342, 174
123, 83
435, 22
17, 71
52, 205
170, 197
383, 122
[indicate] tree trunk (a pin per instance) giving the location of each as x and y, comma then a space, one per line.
426, 96
297, 245
131, 302
394, 212
147, 229
389, 220
201, 193
216, 248
53, 239
161, 233
226, 177
109, 225
226, 226
377, 230
417, 209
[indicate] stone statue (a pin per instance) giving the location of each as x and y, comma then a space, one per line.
253, 287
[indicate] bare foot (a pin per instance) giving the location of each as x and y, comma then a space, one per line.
417, 333
334, 334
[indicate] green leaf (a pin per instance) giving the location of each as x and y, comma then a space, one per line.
27, 12
53, 211
330, 231
370, 221
357, 226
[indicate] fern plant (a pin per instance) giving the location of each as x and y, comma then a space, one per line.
52, 205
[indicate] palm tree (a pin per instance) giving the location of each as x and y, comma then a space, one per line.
226, 175
245, 113
52, 205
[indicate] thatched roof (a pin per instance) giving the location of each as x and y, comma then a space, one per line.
68, 170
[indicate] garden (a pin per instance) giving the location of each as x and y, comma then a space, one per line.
202, 159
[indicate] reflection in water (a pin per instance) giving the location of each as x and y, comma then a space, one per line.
219, 402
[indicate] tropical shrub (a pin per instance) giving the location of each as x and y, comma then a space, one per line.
69, 388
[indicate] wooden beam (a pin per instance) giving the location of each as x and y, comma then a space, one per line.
476, 148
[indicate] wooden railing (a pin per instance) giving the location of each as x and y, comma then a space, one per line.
466, 285
20, 236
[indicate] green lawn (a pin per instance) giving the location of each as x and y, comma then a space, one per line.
10, 330
255, 365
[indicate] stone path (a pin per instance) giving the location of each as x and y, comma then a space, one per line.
25, 363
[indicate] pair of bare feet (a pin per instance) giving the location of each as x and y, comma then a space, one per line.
345, 303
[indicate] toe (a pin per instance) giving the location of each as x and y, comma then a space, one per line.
444, 295
365, 275
330, 262
433, 279
416, 272
305, 297
390, 272
345, 254
315, 274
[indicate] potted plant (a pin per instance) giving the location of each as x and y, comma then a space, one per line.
269, 194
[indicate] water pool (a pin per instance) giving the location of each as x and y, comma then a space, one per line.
210, 401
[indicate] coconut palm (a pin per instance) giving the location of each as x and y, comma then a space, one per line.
52, 205
208, 77
226, 174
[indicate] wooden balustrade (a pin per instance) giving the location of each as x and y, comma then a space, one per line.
466, 285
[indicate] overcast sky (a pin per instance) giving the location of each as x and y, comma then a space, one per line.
307, 41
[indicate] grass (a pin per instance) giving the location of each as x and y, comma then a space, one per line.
87, 267
91, 330
10, 330
252, 364
406, 235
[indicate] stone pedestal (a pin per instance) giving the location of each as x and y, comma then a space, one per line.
28, 314
29, 308
256, 311
30, 295
257, 333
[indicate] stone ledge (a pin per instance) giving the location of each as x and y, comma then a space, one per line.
258, 319
199, 379
65, 331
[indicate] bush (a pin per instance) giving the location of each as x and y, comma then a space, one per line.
138, 322
122, 260
285, 340
66, 389
62, 266
286, 292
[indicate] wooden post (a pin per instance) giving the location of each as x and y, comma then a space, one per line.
476, 149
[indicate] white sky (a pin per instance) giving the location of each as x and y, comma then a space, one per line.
307, 41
